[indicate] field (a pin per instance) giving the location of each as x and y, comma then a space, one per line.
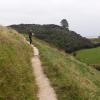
16, 77
89, 56
71, 79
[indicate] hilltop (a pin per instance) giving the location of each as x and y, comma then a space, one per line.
56, 35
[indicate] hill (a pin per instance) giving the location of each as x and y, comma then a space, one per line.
71, 79
16, 77
90, 57
62, 38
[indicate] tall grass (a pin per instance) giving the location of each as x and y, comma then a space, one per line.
71, 79
16, 77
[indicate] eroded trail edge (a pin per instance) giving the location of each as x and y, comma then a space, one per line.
45, 90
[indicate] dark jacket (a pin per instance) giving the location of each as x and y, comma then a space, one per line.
30, 34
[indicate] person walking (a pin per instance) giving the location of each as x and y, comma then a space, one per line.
30, 36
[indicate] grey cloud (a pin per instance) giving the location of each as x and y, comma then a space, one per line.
83, 15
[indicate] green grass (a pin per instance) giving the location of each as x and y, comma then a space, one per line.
71, 79
89, 56
16, 78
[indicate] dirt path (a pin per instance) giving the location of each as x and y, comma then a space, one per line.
45, 92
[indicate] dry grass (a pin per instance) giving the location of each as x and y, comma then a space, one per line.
16, 78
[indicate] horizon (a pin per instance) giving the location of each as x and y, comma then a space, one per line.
55, 24
82, 16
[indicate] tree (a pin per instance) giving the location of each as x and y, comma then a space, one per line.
64, 23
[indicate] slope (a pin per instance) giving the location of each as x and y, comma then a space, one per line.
89, 56
71, 79
16, 77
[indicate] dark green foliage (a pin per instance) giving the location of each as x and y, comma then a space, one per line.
64, 23
56, 35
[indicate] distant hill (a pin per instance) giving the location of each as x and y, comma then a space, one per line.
62, 38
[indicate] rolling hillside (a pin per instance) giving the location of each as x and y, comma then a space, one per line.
71, 79
62, 38
16, 77
90, 57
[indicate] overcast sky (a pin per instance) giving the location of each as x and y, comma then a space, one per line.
83, 15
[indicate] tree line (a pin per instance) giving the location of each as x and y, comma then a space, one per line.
60, 36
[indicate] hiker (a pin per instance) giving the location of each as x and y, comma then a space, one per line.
30, 36
74, 54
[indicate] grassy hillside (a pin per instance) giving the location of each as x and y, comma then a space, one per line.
16, 78
62, 38
89, 56
71, 79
